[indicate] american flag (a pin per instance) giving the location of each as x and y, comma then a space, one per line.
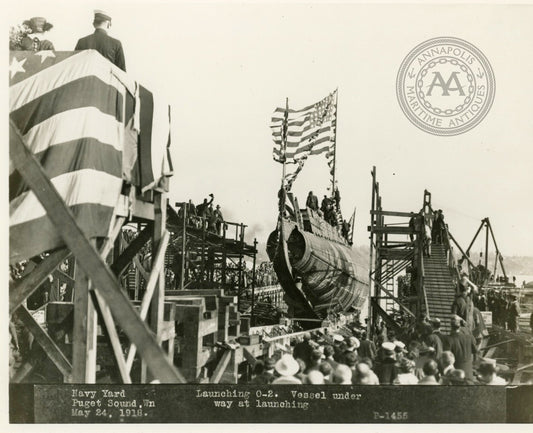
351, 223
310, 131
91, 127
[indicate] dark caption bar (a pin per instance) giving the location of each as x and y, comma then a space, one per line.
267, 404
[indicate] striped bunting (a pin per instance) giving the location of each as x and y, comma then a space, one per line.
155, 164
70, 110
289, 205
80, 116
309, 131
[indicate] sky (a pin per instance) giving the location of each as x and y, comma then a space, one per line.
224, 68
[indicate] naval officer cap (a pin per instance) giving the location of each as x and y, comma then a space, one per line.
101, 15
388, 346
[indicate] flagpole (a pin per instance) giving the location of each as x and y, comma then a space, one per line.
284, 155
284, 139
335, 144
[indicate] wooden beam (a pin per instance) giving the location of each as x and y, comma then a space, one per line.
110, 241
140, 267
160, 231
106, 312
23, 372
44, 340
394, 298
143, 210
159, 261
131, 250
392, 213
221, 367
197, 292
490, 346
461, 250
524, 367
20, 290
393, 230
395, 254
249, 357
160, 242
64, 276
89, 259
84, 332
113, 338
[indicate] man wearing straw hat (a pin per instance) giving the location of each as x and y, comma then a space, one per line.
287, 367
107, 46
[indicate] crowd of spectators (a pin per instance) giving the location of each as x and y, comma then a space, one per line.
504, 307
427, 357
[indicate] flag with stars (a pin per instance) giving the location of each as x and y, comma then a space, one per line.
91, 127
309, 131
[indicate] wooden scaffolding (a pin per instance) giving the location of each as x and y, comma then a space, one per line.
390, 255
98, 296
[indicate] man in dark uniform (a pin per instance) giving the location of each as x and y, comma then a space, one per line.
337, 198
438, 227
191, 213
462, 345
107, 46
431, 339
460, 304
325, 205
303, 349
386, 369
513, 315
367, 348
312, 201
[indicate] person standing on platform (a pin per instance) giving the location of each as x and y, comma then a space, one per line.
211, 219
191, 214
337, 198
219, 220
312, 201
35, 41
202, 209
100, 41
325, 205
435, 228
513, 315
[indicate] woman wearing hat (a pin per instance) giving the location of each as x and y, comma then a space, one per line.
34, 41
406, 375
